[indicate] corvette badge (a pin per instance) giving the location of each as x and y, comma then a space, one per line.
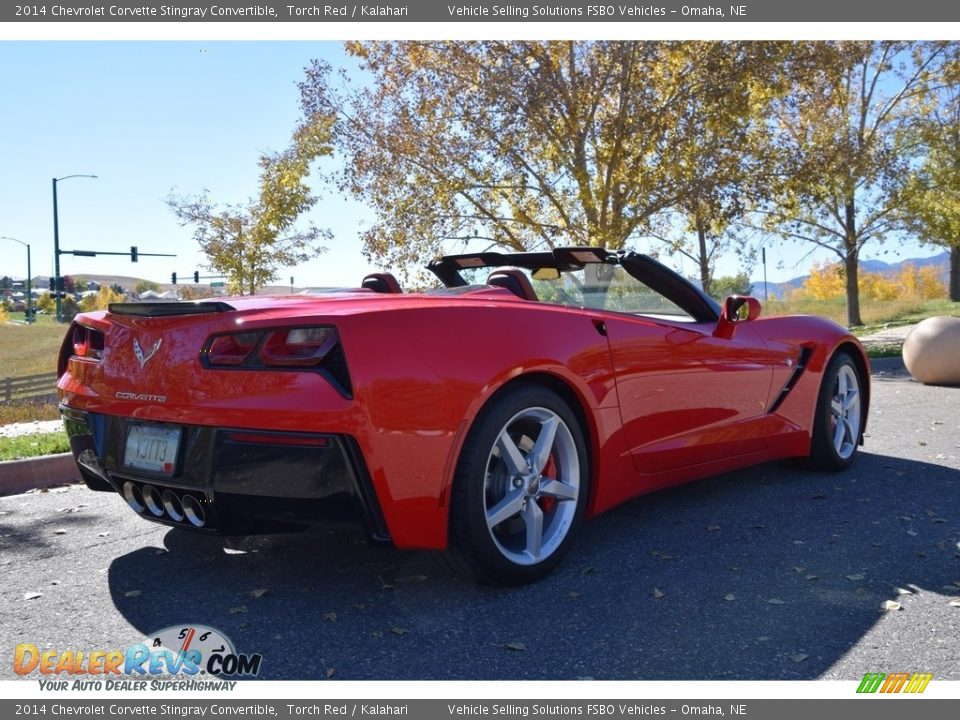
142, 356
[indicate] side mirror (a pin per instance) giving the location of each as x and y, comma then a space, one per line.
741, 308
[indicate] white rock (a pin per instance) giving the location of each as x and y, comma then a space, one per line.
931, 351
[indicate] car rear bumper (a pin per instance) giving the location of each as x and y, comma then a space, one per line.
232, 481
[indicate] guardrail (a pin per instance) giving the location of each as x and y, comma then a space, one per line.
27, 387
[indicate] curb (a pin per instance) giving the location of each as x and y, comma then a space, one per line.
17, 476
888, 366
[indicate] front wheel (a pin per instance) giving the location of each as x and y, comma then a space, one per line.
838, 424
520, 488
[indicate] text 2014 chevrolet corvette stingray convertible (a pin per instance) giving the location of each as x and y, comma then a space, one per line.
486, 417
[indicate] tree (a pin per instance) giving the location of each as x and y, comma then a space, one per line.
104, 297
930, 200
250, 242
722, 163
841, 162
526, 144
145, 285
727, 285
189, 292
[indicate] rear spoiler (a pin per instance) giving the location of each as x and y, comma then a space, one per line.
168, 309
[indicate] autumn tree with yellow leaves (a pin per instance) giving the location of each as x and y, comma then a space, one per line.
930, 200
827, 281
103, 297
841, 145
523, 145
250, 242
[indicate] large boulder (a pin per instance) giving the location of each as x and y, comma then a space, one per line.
931, 351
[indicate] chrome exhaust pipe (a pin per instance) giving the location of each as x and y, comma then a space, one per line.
194, 511
153, 501
173, 506
133, 496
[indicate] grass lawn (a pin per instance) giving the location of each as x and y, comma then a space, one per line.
28, 446
29, 350
876, 316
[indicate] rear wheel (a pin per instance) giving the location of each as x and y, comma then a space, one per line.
520, 488
839, 420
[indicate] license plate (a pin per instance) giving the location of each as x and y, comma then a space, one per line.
152, 448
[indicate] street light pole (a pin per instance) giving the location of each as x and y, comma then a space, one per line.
29, 277
56, 244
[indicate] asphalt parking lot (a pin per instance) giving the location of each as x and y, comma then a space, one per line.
770, 573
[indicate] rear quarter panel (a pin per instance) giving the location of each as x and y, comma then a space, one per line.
422, 375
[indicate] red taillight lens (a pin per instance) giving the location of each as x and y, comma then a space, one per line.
231, 350
298, 347
293, 347
87, 342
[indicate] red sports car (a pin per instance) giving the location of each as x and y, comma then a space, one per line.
486, 417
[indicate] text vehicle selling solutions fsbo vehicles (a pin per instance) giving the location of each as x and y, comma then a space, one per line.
487, 417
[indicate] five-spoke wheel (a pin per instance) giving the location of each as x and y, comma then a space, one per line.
838, 424
520, 488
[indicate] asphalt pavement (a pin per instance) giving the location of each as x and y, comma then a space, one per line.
775, 572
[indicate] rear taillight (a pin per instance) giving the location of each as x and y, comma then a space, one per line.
87, 343
300, 348
230, 350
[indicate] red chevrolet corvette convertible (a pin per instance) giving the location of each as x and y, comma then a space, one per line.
487, 417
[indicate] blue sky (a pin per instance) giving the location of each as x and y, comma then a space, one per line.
149, 118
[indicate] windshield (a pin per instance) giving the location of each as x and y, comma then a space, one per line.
596, 285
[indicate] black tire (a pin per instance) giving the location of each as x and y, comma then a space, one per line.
510, 528
839, 421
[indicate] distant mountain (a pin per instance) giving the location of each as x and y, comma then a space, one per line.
777, 290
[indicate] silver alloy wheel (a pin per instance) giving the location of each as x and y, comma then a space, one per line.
845, 412
531, 486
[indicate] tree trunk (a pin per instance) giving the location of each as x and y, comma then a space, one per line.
851, 263
955, 273
704, 260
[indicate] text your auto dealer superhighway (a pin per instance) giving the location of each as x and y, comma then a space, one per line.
167, 11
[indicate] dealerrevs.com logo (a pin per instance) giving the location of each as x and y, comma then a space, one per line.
191, 654
895, 682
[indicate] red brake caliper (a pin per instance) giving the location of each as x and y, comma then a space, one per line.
548, 503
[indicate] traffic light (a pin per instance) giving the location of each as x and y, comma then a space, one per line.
133, 253
173, 278
196, 276
51, 283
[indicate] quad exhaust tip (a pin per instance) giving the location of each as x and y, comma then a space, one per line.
153, 501
194, 511
168, 503
133, 496
173, 506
